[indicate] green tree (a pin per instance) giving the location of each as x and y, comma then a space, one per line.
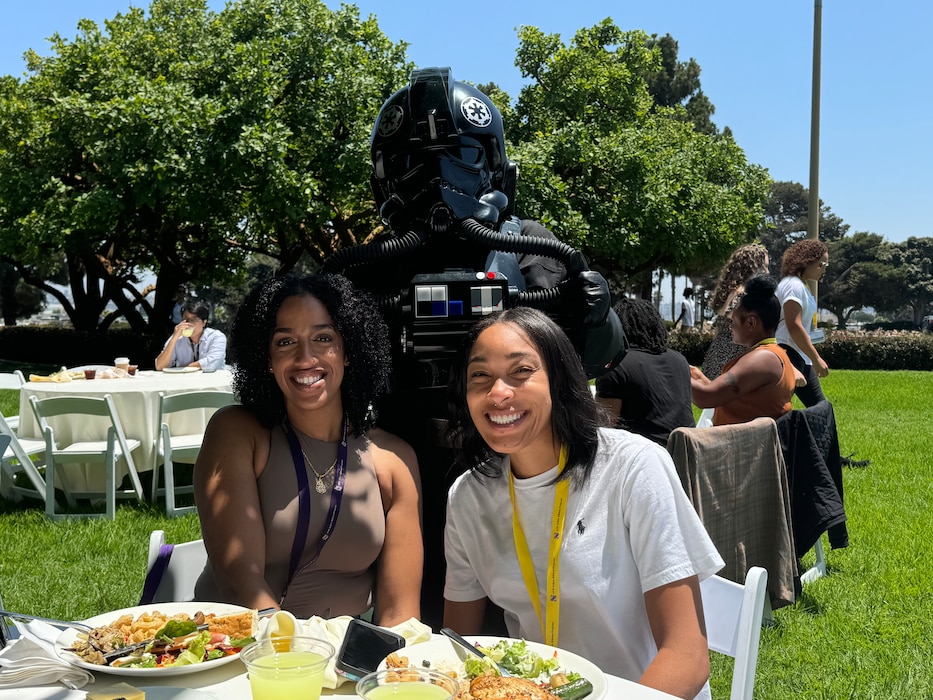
860, 274
185, 141
606, 169
677, 83
786, 216
914, 259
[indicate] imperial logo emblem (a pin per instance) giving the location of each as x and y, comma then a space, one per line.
476, 112
391, 121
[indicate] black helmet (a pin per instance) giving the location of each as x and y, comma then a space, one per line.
438, 153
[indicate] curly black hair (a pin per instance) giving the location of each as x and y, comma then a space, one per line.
356, 317
643, 326
575, 416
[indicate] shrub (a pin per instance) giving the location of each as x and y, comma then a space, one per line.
54, 346
887, 350
692, 345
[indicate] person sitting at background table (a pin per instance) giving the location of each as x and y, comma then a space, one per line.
192, 343
620, 559
762, 381
648, 392
304, 506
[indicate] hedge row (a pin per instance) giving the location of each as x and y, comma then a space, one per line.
886, 350
50, 346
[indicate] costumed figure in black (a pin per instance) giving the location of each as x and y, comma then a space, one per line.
453, 252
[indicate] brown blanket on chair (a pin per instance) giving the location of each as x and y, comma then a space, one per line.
735, 477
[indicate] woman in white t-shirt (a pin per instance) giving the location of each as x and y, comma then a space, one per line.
582, 535
803, 261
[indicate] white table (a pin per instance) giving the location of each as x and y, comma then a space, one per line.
136, 400
229, 682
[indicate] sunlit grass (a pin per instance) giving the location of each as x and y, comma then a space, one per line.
863, 632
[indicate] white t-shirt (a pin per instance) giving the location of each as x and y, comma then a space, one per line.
792, 288
629, 529
686, 306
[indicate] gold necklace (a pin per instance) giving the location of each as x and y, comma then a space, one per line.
319, 484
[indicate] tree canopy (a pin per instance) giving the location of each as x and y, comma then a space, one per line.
607, 168
183, 141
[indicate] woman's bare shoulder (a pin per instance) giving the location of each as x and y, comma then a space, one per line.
391, 444
235, 418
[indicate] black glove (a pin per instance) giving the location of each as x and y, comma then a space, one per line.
589, 293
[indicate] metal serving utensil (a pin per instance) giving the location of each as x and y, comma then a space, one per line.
447, 632
47, 620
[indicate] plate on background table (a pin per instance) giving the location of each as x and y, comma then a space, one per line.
181, 370
442, 652
67, 638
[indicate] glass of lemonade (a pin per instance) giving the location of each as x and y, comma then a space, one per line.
410, 683
288, 668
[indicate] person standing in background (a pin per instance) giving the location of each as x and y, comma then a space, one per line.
686, 311
180, 295
803, 261
745, 261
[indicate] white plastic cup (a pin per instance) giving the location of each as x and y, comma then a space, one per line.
122, 363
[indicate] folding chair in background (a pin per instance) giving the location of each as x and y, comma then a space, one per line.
81, 412
17, 457
180, 446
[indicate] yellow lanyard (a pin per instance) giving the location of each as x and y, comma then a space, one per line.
551, 621
764, 341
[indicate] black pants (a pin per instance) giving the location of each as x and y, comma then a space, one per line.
811, 393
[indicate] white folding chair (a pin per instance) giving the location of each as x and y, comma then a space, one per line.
13, 381
172, 570
82, 411
734, 614
17, 457
179, 446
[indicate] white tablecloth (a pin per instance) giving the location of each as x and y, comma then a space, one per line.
136, 400
229, 682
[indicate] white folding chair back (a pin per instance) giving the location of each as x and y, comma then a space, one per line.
13, 381
172, 570
706, 418
179, 446
107, 451
734, 614
17, 457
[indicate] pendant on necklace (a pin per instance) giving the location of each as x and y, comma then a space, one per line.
319, 486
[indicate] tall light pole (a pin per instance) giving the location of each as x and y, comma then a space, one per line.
813, 215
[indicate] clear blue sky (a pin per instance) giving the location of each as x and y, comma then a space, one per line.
876, 154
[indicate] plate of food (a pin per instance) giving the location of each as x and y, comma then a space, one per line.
159, 640
181, 370
545, 666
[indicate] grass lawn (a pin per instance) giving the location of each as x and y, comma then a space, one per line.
862, 632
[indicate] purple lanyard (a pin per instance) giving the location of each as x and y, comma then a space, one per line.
304, 502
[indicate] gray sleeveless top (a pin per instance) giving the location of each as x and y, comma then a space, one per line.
340, 582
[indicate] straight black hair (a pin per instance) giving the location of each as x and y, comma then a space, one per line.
575, 417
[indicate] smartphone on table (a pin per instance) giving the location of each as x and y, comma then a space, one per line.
364, 647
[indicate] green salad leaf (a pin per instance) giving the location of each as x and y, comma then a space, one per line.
517, 658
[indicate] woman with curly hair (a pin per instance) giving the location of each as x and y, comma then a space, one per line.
804, 260
303, 504
745, 262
